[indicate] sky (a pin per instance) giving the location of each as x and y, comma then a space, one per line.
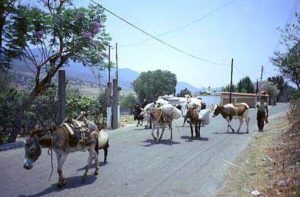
245, 30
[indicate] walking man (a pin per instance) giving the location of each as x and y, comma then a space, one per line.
262, 114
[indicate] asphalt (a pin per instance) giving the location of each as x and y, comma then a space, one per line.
138, 166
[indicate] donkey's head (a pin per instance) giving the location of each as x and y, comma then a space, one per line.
217, 109
32, 147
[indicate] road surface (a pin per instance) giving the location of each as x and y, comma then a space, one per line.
137, 166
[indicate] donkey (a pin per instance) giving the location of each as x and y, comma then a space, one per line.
63, 143
138, 115
160, 120
237, 111
193, 116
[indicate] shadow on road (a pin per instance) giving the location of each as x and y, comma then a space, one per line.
241, 133
101, 163
188, 138
71, 183
151, 142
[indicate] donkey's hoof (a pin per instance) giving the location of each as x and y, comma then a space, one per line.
61, 184
96, 173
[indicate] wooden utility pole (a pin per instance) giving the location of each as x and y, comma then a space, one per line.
115, 108
108, 96
230, 88
261, 73
61, 95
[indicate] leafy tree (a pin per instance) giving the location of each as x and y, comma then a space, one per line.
127, 101
227, 88
152, 84
184, 92
245, 85
271, 89
283, 87
288, 61
7, 8
49, 38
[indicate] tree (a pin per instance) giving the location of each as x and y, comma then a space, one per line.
245, 85
227, 88
184, 92
127, 101
7, 8
271, 89
288, 62
48, 39
152, 84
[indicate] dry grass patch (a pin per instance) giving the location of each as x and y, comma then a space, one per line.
256, 164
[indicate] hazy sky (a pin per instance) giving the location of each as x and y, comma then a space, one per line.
245, 30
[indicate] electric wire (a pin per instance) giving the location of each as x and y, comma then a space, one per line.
159, 40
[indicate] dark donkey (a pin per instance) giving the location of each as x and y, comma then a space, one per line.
138, 114
193, 116
63, 143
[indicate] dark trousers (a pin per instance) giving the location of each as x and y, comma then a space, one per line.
261, 117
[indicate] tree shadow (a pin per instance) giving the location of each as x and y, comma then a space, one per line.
101, 163
189, 139
151, 142
71, 183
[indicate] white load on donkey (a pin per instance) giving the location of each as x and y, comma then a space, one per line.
162, 116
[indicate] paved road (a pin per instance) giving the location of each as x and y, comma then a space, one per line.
137, 166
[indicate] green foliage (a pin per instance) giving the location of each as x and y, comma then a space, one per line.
156, 83
271, 89
227, 88
288, 62
47, 39
245, 85
184, 92
127, 101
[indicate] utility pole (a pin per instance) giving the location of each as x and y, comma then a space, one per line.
261, 73
108, 96
230, 88
115, 99
61, 95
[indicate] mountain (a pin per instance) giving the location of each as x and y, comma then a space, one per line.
75, 71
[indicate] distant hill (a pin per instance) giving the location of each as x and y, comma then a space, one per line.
87, 74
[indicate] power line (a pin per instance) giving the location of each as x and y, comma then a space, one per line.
185, 25
159, 40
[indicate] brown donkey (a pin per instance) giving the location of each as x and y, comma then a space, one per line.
194, 119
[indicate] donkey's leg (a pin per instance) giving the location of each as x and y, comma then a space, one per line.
61, 158
152, 133
96, 162
105, 154
184, 120
199, 127
171, 129
87, 167
162, 133
191, 127
229, 124
241, 122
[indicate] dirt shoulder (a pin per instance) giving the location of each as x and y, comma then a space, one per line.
270, 164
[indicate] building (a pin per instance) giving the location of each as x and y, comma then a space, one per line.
237, 97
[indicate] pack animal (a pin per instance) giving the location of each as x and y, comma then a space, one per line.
160, 120
138, 115
238, 111
193, 116
62, 142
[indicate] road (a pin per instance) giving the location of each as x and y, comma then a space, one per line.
137, 166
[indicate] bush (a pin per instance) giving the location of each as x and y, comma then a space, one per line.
294, 113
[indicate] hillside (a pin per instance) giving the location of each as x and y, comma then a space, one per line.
79, 75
